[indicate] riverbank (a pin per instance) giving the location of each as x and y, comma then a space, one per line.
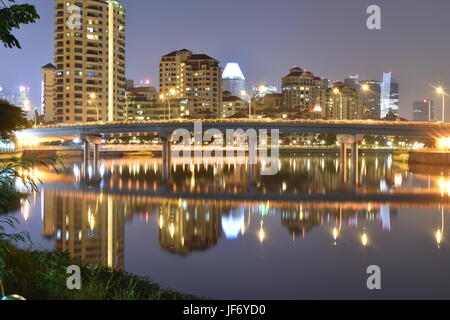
138, 151
40, 275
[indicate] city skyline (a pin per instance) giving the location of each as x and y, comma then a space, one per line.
416, 70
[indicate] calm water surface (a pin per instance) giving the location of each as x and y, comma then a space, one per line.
224, 231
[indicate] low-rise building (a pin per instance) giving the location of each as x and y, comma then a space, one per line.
233, 105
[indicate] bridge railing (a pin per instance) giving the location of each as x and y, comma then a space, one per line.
246, 120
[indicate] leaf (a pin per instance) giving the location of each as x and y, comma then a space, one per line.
11, 18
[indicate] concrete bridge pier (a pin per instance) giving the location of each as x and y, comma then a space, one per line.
166, 156
87, 141
352, 140
96, 156
86, 153
355, 163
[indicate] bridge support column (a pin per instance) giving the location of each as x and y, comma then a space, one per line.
344, 140
343, 153
86, 153
96, 155
355, 162
166, 156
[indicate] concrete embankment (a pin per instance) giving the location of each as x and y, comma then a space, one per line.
78, 154
67, 154
429, 158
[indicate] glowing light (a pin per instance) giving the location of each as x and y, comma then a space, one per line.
317, 108
365, 87
364, 239
263, 89
161, 222
440, 90
262, 233
233, 225
91, 219
438, 236
172, 229
443, 143
25, 210
335, 234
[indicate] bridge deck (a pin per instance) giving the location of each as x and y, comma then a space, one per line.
355, 127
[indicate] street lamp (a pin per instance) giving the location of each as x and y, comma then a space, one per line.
365, 87
163, 97
441, 91
245, 94
337, 91
93, 97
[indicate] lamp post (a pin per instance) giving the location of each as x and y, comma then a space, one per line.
163, 97
441, 91
93, 97
337, 91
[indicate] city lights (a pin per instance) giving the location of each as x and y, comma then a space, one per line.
364, 239
315, 173
441, 91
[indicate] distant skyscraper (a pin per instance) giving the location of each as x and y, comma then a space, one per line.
371, 97
90, 62
194, 78
390, 95
352, 81
233, 80
25, 102
423, 110
9, 96
48, 93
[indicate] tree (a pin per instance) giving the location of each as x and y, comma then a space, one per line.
12, 119
11, 17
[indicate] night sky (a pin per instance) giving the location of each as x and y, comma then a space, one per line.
327, 37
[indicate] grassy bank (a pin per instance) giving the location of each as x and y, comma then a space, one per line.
38, 275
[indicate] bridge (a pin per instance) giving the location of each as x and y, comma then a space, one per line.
344, 127
348, 132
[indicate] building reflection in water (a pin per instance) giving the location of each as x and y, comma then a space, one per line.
90, 227
85, 210
186, 227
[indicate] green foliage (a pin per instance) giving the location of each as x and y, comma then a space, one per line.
11, 18
12, 119
7, 242
38, 275
15, 169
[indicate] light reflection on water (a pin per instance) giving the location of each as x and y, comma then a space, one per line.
215, 230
